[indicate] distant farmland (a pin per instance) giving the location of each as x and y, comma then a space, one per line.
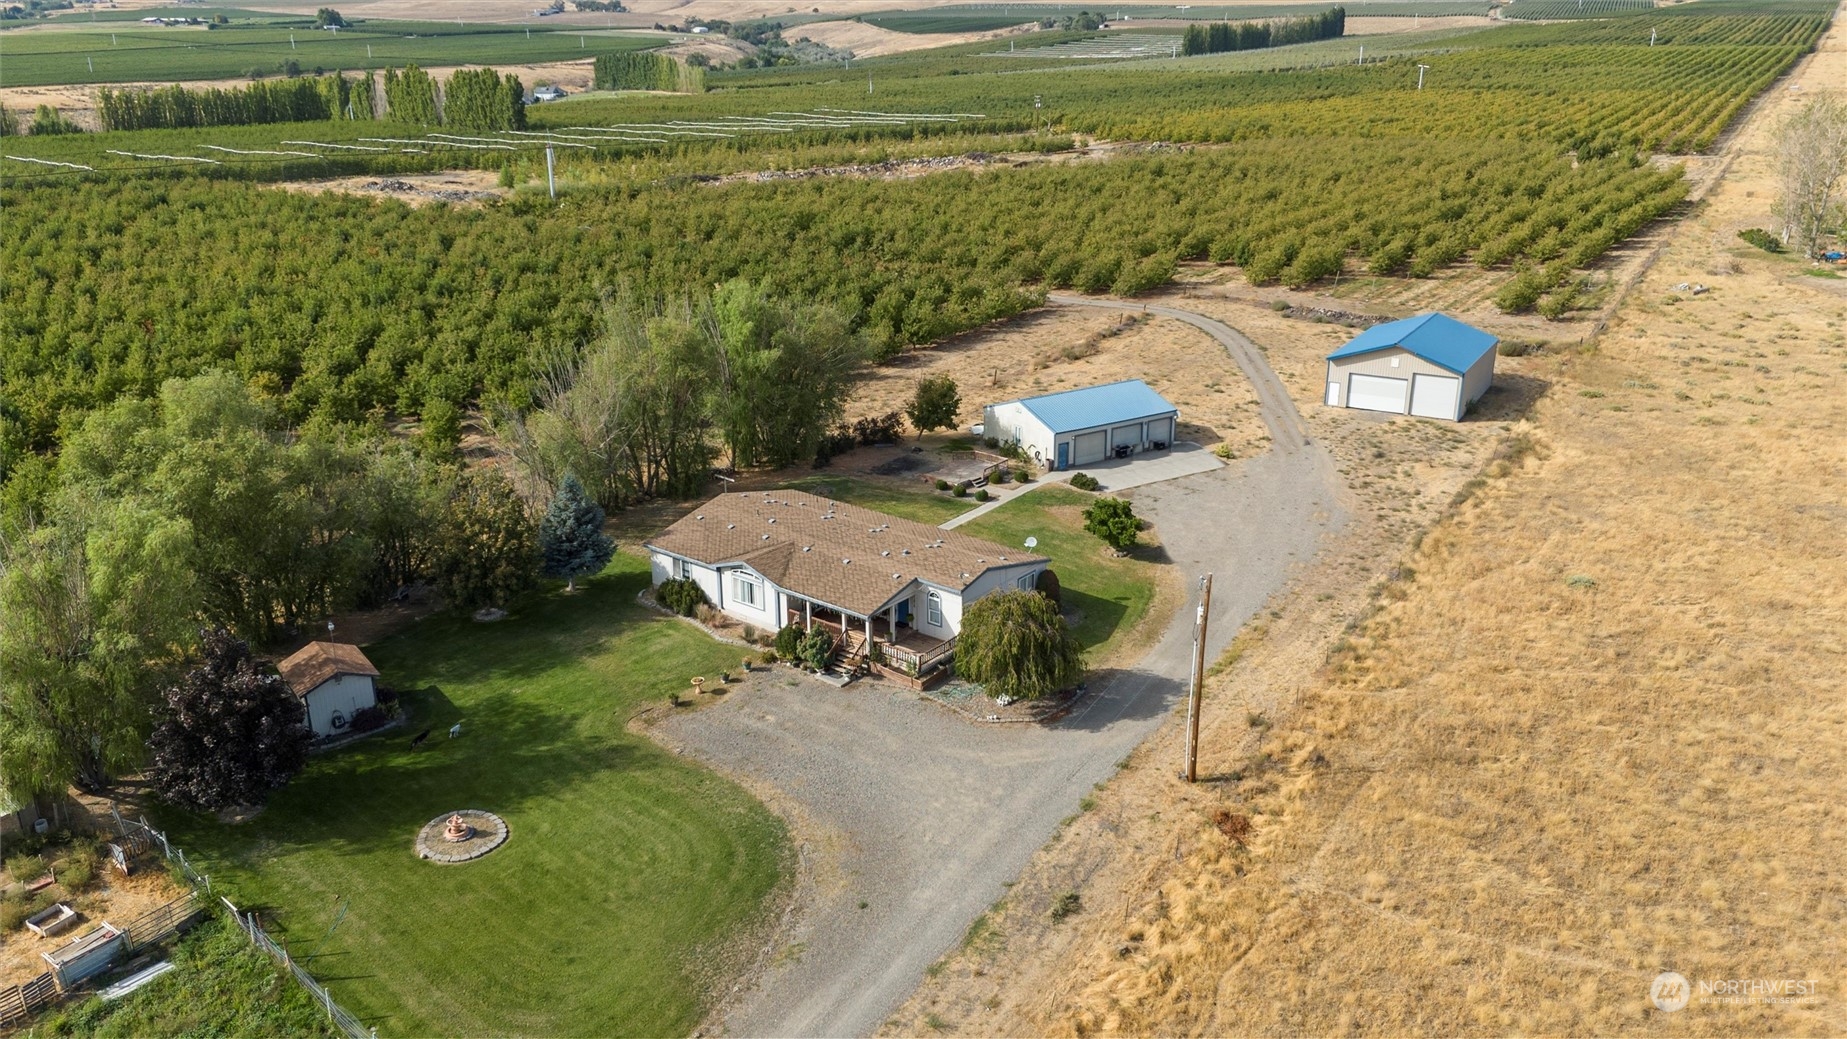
179, 53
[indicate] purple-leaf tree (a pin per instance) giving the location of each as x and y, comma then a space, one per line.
228, 733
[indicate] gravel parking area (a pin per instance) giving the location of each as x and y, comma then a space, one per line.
913, 818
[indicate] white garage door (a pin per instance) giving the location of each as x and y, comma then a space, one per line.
1375, 393
1130, 434
1435, 396
1162, 430
1090, 447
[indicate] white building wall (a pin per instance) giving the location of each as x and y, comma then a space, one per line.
1477, 379
1011, 422
663, 567
347, 694
763, 614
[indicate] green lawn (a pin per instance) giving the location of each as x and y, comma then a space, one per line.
925, 506
1110, 594
628, 870
220, 985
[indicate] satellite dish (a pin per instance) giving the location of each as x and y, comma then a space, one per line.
1032, 542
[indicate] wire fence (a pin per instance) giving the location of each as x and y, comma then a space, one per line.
138, 830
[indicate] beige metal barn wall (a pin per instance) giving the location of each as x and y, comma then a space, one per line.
1380, 364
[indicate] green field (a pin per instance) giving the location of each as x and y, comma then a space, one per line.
142, 54
983, 17
628, 872
1110, 594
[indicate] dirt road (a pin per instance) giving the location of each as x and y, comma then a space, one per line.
913, 820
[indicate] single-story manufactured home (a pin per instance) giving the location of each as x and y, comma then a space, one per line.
1431, 365
334, 680
1082, 427
775, 558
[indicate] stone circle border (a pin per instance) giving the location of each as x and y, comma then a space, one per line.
490, 833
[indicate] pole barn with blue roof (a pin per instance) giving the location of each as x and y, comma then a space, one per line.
1429, 366
1082, 427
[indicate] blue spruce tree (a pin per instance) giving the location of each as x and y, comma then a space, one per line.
571, 538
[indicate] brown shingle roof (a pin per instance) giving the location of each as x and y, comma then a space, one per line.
839, 554
306, 668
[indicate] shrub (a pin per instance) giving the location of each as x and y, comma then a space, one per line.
961, 490
681, 595
816, 648
1003, 475
1085, 482
751, 634
982, 494
1023, 475
1068, 904
1050, 587
705, 613
1762, 239
879, 429
13, 914
1113, 520
367, 719
788, 642
75, 874
942, 484
25, 868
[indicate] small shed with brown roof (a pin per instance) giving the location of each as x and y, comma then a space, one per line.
772, 558
334, 680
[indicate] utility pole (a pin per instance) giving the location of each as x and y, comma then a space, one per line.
550, 184
1193, 697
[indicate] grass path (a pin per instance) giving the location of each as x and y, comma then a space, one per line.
607, 911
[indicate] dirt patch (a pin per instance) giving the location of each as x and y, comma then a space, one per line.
112, 897
1588, 731
870, 41
457, 187
1063, 348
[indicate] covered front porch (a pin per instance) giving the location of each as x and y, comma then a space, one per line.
885, 640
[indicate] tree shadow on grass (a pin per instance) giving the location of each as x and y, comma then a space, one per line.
1099, 617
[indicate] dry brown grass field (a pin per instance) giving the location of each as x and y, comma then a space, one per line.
1591, 728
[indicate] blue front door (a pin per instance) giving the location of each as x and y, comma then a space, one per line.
904, 612
1064, 454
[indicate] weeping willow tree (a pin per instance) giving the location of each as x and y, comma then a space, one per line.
1017, 644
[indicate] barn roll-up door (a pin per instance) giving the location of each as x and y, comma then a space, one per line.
1129, 434
1161, 430
1090, 447
1376, 393
1435, 396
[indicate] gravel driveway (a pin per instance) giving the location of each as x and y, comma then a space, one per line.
923, 815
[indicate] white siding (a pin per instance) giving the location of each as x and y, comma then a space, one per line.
346, 694
1012, 422
763, 613
663, 567
1478, 378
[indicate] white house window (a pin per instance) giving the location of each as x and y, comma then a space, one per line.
936, 610
1026, 582
747, 591
685, 569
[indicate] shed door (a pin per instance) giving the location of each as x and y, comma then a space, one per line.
1376, 393
1161, 430
1129, 434
1090, 447
1435, 396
